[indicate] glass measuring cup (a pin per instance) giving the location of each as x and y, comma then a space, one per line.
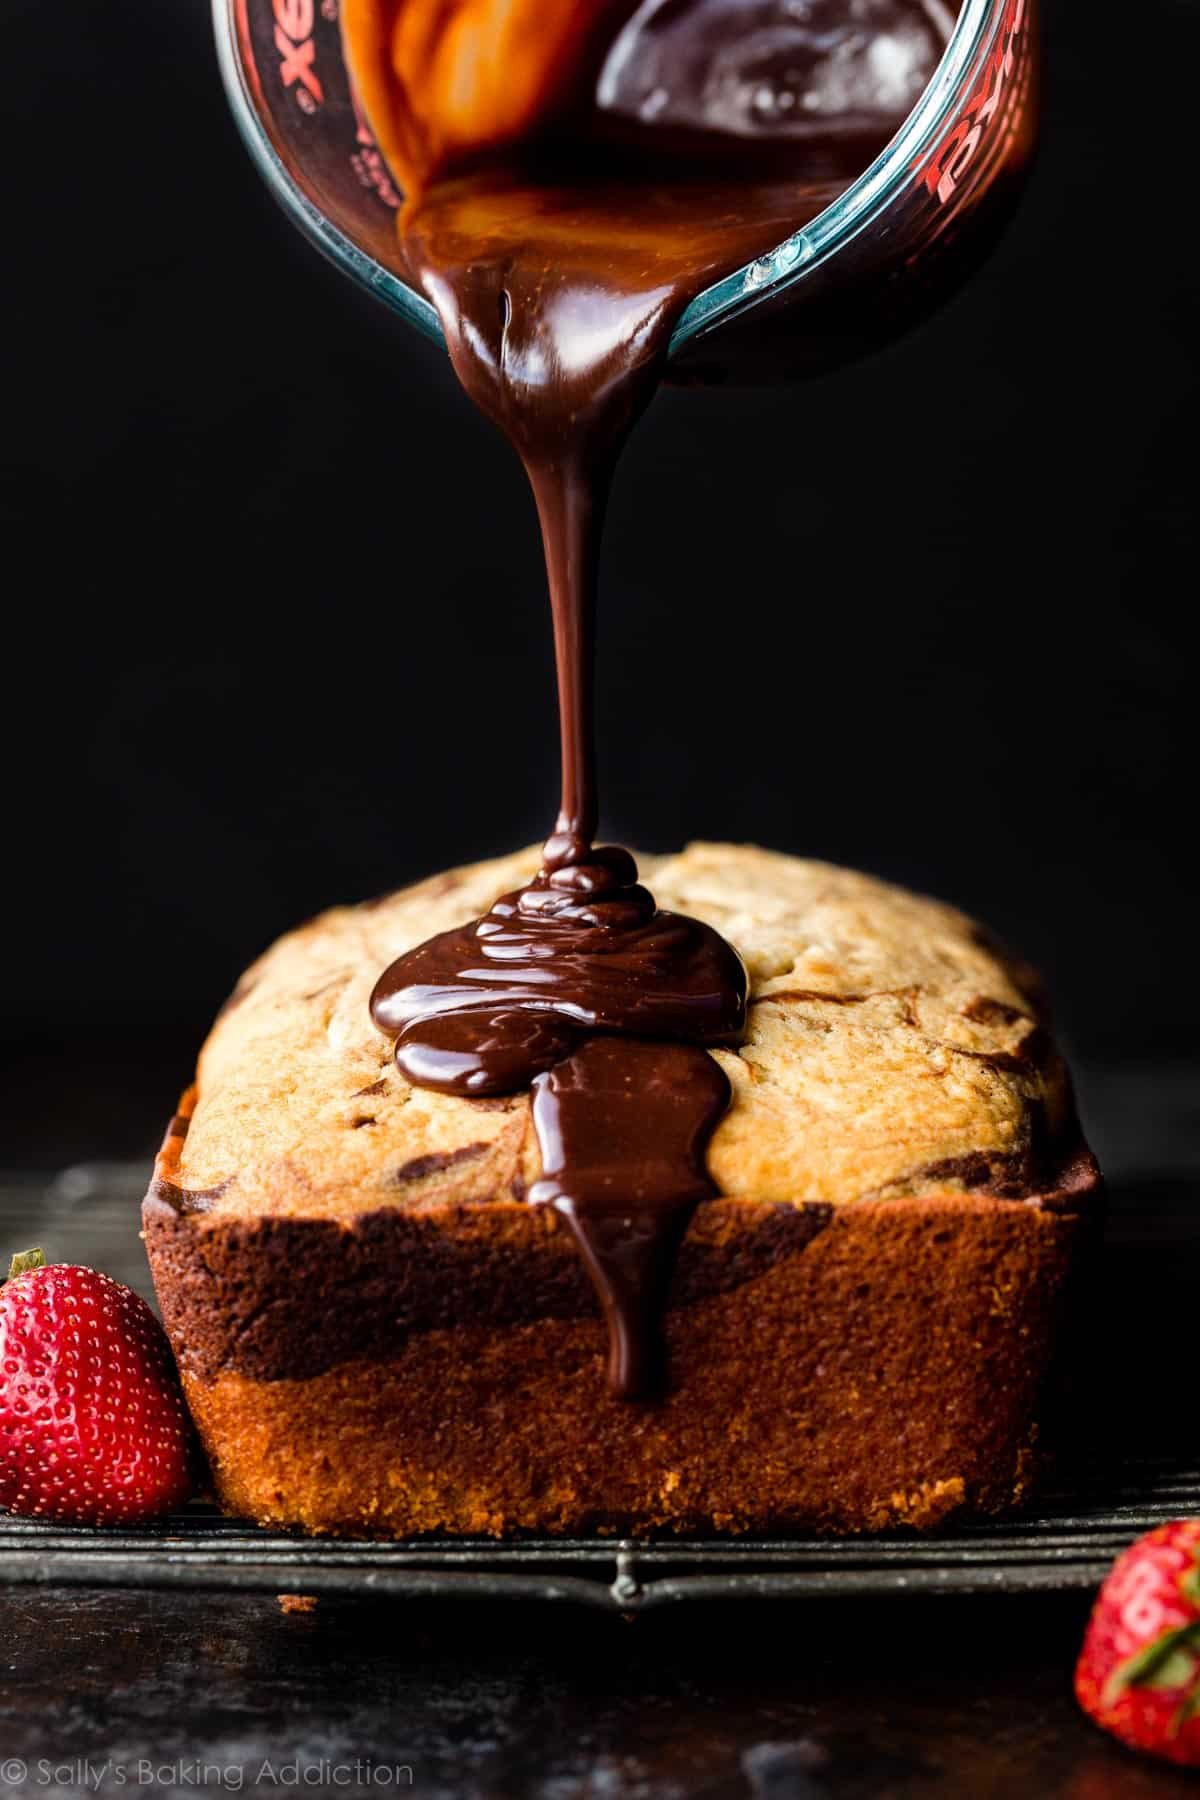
893, 244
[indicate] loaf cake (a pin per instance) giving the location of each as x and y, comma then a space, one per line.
377, 1334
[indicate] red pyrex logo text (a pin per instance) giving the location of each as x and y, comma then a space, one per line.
954, 157
294, 42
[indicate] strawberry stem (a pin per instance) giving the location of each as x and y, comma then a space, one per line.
24, 1261
1171, 1660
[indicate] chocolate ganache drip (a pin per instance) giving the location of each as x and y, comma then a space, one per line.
570, 985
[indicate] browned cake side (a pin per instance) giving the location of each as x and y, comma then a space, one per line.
376, 1334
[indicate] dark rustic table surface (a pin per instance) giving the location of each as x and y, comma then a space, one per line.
186, 1692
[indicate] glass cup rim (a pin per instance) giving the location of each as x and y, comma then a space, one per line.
780, 267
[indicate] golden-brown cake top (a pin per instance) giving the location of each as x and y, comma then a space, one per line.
891, 1049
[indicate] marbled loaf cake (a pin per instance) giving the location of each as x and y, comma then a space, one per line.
378, 1335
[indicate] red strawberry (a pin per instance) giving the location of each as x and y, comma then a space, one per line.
93, 1429
1139, 1671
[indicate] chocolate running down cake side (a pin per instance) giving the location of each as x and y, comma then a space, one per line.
378, 1333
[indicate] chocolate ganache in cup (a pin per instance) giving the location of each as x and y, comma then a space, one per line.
576, 172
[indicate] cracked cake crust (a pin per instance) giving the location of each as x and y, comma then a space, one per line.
376, 1334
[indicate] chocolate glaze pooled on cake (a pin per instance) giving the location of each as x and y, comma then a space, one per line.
560, 221
550, 988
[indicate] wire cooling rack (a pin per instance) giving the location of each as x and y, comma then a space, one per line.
1135, 1480
1070, 1544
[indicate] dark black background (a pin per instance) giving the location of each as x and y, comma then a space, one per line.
275, 626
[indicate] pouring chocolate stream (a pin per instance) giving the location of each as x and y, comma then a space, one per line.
576, 174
